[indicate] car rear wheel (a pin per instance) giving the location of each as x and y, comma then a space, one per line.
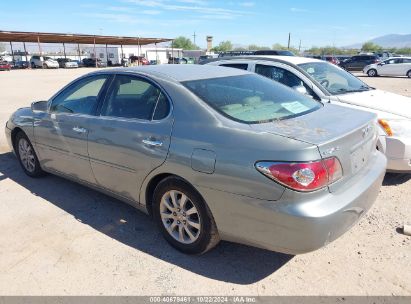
372, 73
33, 66
27, 156
409, 74
183, 217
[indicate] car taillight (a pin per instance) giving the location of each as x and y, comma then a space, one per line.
308, 176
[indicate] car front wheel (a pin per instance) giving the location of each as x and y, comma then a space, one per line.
27, 156
183, 217
372, 73
409, 74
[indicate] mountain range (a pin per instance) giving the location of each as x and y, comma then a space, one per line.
387, 41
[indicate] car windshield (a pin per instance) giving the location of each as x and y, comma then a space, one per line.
333, 79
251, 98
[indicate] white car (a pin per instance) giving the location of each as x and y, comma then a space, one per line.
328, 83
395, 66
43, 62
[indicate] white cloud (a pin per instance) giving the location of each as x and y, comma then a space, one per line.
151, 12
298, 10
247, 4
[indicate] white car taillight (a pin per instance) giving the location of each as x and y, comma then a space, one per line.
307, 176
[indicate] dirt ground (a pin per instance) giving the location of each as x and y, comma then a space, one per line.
60, 238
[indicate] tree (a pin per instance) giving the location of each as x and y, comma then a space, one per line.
277, 46
223, 46
184, 43
254, 47
371, 47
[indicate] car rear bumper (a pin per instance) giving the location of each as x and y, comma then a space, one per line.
398, 152
301, 226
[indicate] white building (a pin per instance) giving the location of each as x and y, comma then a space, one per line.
114, 53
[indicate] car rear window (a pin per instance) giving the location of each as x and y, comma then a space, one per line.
252, 98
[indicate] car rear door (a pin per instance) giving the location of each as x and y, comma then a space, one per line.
131, 136
61, 134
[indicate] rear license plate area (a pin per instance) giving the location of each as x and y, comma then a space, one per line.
360, 156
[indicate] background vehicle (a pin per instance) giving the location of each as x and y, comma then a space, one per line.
203, 58
21, 64
331, 84
357, 63
5, 66
396, 66
138, 60
201, 148
67, 63
43, 62
176, 60
332, 59
91, 62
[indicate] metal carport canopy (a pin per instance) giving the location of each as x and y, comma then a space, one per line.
9, 36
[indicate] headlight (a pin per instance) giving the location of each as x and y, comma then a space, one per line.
396, 127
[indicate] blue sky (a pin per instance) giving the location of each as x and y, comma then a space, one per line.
244, 22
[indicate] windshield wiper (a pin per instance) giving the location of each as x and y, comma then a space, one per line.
362, 88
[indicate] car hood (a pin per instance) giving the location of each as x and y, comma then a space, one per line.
380, 101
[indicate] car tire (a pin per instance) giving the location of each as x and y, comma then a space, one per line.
33, 66
45, 66
372, 73
409, 74
27, 156
183, 217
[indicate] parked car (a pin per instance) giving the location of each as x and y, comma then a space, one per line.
203, 58
396, 66
331, 84
138, 60
357, 63
212, 153
67, 63
176, 60
21, 65
91, 62
5, 66
332, 59
43, 62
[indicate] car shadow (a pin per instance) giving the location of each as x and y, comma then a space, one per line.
228, 262
394, 179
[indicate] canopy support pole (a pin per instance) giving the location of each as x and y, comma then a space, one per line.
11, 48
122, 55
25, 51
106, 55
78, 50
38, 43
64, 50
95, 55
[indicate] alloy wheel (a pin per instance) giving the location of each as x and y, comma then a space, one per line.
26, 154
180, 217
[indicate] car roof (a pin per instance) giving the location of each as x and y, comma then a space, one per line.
291, 59
181, 72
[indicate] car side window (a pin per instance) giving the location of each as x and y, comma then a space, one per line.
406, 60
133, 97
240, 66
283, 76
81, 97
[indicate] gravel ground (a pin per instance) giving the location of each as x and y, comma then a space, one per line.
60, 238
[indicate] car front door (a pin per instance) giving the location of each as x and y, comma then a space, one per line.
388, 68
131, 136
61, 134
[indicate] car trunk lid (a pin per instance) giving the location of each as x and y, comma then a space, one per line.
348, 134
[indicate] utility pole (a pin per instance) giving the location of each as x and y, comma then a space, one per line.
194, 36
299, 47
289, 39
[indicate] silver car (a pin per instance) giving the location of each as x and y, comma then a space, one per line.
210, 152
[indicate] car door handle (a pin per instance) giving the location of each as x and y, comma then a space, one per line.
79, 130
153, 143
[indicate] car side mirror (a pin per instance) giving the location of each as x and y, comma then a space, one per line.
301, 89
39, 106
